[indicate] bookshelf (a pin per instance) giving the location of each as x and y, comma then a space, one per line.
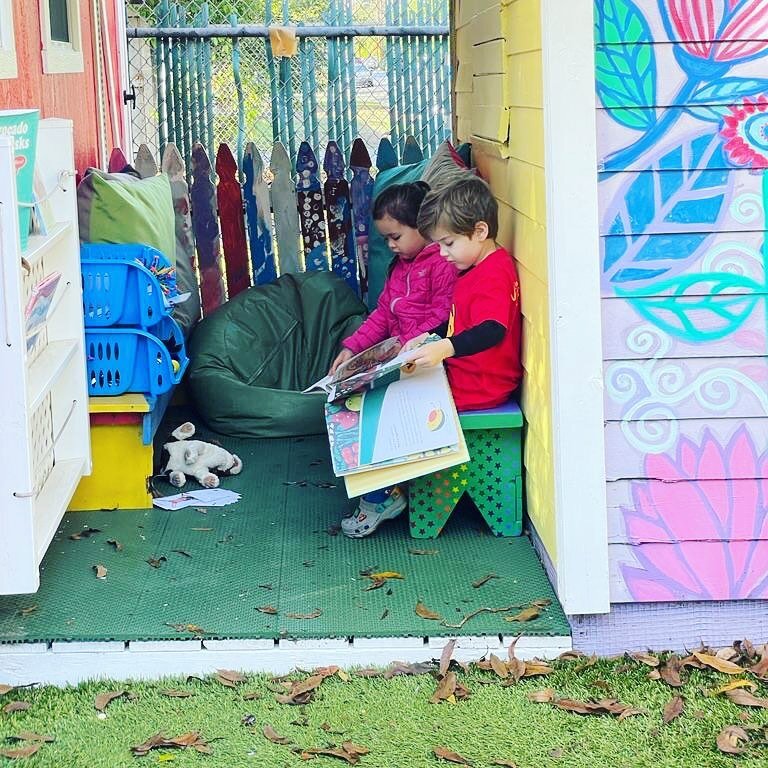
44, 428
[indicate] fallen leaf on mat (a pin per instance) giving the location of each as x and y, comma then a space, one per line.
423, 551
192, 628
252, 696
730, 740
350, 757
116, 544
269, 609
721, 665
746, 699
270, 734
384, 614
174, 694
570, 655
229, 677
368, 673
670, 672
315, 614
201, 529
761, 668
646, 658
446, 689
375, 584
505, 763
741, 683
498, 666
103, 700
30, 609
385, 575
535, 668
673, 709
544, 696
15, 754
452, 757
181, 552
264, 586
159, 741
84, 534
101, 571
401, 668
155, 562
445, 656
425, 613
484, 580
527, 614
601, 707
16, 706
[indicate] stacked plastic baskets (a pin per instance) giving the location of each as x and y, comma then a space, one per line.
132, 342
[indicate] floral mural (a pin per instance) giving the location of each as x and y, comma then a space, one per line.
683, 191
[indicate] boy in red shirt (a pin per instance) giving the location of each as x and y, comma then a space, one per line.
481, 339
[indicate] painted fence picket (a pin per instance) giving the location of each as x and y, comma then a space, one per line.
258, 214
412, 152
361, 188
339, 211
230, 201
386, 157
285, 210
144, 163
117, 161
206, 229
310, 205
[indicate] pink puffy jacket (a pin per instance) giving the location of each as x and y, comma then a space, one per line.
416, 298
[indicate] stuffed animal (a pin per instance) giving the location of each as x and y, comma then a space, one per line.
196, 458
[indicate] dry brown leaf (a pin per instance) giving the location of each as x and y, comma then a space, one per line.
16, 706
116, 544
452, 757
730, 740
732, 685
527, 614
401, 668
354, 749
446, 689
159, 741
252, 696
270, 733
229, 677
350, 757
368, 672
268, 609
670, 672
484, 580
29, 610
101, 571
544, 696
646, 658
103, 700
536, 668
630, 712
445, 656
84, 534
498, 666
673, 709
155, 562
315, 614
721, 665
729, 653
15, 754
761, 668
425, 613
570, 655
746, 699
505, 763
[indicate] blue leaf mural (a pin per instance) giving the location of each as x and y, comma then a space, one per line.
625, 63
664, 214
712, 102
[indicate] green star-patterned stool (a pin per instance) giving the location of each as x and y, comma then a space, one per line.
492, 478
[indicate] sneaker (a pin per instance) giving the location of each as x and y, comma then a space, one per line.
369, 515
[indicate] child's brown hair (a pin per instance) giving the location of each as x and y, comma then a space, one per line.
459, 208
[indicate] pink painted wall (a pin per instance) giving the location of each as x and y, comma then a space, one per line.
682, 120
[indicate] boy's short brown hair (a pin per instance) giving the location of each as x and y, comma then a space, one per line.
459, 208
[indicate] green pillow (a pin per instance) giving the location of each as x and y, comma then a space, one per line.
119, 208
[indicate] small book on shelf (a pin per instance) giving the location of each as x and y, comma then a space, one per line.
388, 422
39, 306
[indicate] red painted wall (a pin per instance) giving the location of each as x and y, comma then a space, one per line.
70, 96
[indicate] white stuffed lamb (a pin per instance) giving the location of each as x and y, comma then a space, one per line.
196, 458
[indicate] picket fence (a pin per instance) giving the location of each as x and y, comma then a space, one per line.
274, 221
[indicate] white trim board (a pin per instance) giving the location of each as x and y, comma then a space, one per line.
72, 663
574, 299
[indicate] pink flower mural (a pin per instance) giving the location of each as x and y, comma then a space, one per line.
745, 132
720, 30
700, 539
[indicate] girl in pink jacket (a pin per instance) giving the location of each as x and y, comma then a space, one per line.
416, 298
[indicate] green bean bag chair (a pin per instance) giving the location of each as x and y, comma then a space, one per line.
252, 357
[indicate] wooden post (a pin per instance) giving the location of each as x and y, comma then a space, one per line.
117, 161
310, 206
362, 193
339, 208
386, 157
412, 152
258, 213
285, 211
144, 163
229, 198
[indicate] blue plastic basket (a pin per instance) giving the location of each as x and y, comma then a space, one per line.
121, 360
118, 289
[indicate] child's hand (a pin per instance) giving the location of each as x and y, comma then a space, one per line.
342, 357
432, 354
414, 342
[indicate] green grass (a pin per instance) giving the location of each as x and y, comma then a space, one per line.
394, 719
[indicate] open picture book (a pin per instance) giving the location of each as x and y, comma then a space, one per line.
399, 424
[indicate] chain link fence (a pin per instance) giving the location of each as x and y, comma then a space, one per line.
337, 87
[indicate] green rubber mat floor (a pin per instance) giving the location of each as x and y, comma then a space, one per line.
278, 550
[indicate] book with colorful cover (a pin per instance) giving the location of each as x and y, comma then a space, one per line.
377, 366
403, 429
39, 305
21, 126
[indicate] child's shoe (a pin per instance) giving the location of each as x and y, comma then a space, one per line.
374, 509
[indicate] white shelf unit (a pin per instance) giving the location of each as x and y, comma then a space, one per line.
44, 434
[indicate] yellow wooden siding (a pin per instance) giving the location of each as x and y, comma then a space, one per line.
499, 108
